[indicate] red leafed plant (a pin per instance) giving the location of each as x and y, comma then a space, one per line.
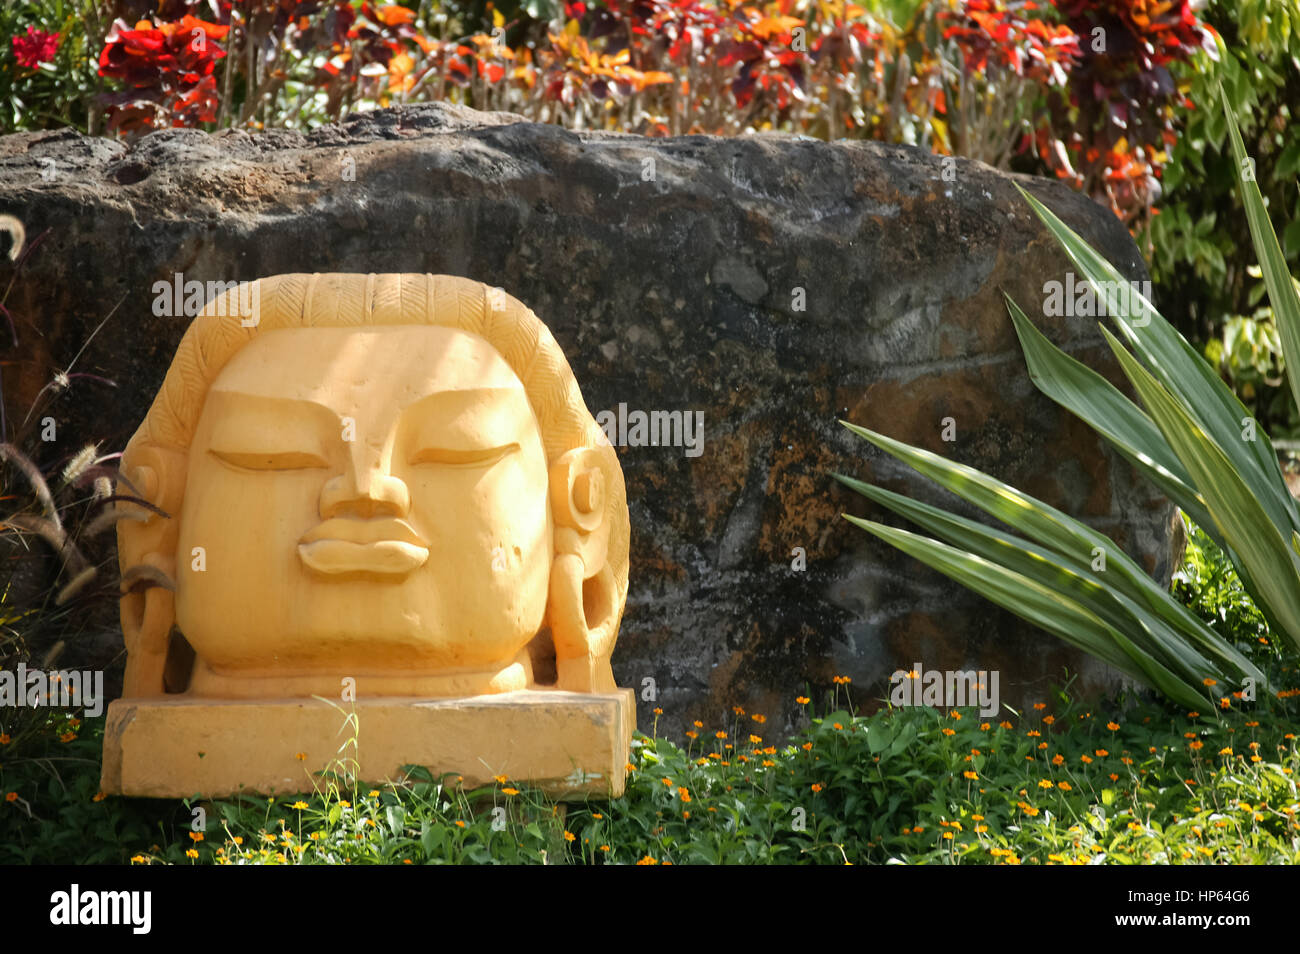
167, 69
1118, 121
1082, 89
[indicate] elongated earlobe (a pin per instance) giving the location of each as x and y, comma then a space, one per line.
584, 600
147, 555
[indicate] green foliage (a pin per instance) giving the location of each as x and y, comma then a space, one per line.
1248, 353
1065, 783
59, 92
1207, 583
50, 809
1061, 575
1199, 247
1194, 440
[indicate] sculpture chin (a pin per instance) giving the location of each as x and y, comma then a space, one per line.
385, 557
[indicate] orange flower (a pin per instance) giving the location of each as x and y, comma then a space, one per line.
802, 700
816, 787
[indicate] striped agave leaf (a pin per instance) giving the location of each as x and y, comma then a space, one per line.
1118, 614
1194, 440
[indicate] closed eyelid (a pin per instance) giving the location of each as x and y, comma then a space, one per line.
480, 456
252, 432
275, 460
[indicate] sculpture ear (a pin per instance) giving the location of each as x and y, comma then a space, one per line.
584, 605
580, 503
146, 551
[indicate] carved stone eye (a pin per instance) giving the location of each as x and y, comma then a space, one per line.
283, 460
474, 457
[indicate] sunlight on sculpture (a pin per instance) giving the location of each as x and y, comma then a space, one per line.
385, 492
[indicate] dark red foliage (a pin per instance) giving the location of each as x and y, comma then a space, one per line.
167, 69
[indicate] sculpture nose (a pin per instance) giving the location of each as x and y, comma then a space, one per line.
365, 489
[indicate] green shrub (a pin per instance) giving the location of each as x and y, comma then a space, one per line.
1124, 781
1193, 439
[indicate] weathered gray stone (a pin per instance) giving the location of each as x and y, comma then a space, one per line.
677, 292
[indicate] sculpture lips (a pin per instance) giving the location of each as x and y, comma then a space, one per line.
385, 545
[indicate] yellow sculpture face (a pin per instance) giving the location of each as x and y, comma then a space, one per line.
391, 480
369, 503
378, 490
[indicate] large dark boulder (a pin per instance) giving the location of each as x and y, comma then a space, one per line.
774, 284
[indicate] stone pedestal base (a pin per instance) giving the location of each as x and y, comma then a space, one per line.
572, 745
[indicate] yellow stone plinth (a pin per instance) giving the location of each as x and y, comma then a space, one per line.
570, 744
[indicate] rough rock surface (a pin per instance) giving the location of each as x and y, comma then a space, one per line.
671, 272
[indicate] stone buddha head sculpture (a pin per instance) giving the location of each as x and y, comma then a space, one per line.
388, 478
